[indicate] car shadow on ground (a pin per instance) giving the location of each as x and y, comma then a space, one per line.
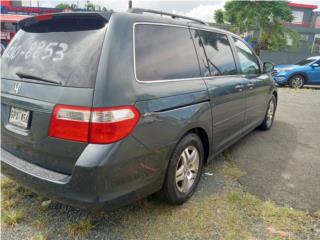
265, 157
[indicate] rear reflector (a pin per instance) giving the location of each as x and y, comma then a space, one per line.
93, 125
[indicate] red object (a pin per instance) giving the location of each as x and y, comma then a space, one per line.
32, 10
300, 5
6, 3
93, 125
12, 17
44, 17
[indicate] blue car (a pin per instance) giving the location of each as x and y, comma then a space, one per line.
307, 71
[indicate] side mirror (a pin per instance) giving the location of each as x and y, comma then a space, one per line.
315, 65
268, 67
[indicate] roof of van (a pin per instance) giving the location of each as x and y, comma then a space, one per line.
135, 17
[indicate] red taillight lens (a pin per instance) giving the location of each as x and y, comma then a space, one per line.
71, 123
94, 125
112, 124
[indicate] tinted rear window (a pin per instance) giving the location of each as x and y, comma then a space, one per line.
63, 49
164, 53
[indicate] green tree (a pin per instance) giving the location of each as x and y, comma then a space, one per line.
267, 17
89, 6
218, 16
64, 6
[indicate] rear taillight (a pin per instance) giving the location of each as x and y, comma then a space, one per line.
93, 125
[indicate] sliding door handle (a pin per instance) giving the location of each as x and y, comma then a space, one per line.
250, 85
239, 87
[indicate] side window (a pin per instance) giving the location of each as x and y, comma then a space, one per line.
214, 47
164, 53
249, 64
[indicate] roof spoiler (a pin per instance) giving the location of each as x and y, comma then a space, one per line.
28, 22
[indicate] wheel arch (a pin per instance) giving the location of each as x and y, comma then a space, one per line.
204, 136
275, 94
306, 79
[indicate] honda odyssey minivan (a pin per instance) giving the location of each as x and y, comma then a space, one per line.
101, 109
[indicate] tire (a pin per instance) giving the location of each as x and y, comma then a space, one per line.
296, 81
178, 188
269, 116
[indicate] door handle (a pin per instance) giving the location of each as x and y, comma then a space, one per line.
250, 85
239, 87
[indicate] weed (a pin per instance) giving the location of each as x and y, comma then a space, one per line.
81, 228
41, 236
13, 216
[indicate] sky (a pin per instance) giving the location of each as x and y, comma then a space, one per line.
193, 8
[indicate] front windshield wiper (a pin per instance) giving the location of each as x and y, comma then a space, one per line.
29, 76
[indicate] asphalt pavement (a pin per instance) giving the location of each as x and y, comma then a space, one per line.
283, 164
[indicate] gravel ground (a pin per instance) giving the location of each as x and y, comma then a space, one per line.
222, 208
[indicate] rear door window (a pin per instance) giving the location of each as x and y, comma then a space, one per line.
62, 49
214, 47
164, 53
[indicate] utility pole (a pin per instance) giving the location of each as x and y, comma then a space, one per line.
130, 4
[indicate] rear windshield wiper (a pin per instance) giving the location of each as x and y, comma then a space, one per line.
29, 76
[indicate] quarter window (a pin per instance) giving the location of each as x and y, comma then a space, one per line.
164, 53
249, 64
214, 52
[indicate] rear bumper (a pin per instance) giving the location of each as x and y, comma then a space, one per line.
93, 184
64, 188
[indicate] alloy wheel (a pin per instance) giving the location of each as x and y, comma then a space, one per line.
297, 82
187, 169
270, 113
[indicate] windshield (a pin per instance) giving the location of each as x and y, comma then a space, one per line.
305, 62
61, 50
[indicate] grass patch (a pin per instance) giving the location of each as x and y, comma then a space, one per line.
229, 168
81, 228
281, 217
10, 189
41, 236
42, 221
10, 203
13, 216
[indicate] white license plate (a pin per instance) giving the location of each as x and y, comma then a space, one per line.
19, 117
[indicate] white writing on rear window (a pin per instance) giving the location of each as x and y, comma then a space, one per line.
54, 51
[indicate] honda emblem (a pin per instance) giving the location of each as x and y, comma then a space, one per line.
16, 88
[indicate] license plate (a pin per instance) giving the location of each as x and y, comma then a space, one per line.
19, 117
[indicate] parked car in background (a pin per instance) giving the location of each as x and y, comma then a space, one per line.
100, 109
307, 71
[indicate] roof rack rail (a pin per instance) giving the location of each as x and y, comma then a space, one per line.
142, 10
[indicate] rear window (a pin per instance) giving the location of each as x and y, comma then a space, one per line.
164, 53
61, 49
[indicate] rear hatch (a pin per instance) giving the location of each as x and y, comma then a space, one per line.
52, 60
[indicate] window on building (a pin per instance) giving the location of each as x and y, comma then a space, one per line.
316, 44
297, 17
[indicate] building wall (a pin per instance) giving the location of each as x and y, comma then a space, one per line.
283, 57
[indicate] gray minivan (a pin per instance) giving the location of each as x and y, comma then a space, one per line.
100, 109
